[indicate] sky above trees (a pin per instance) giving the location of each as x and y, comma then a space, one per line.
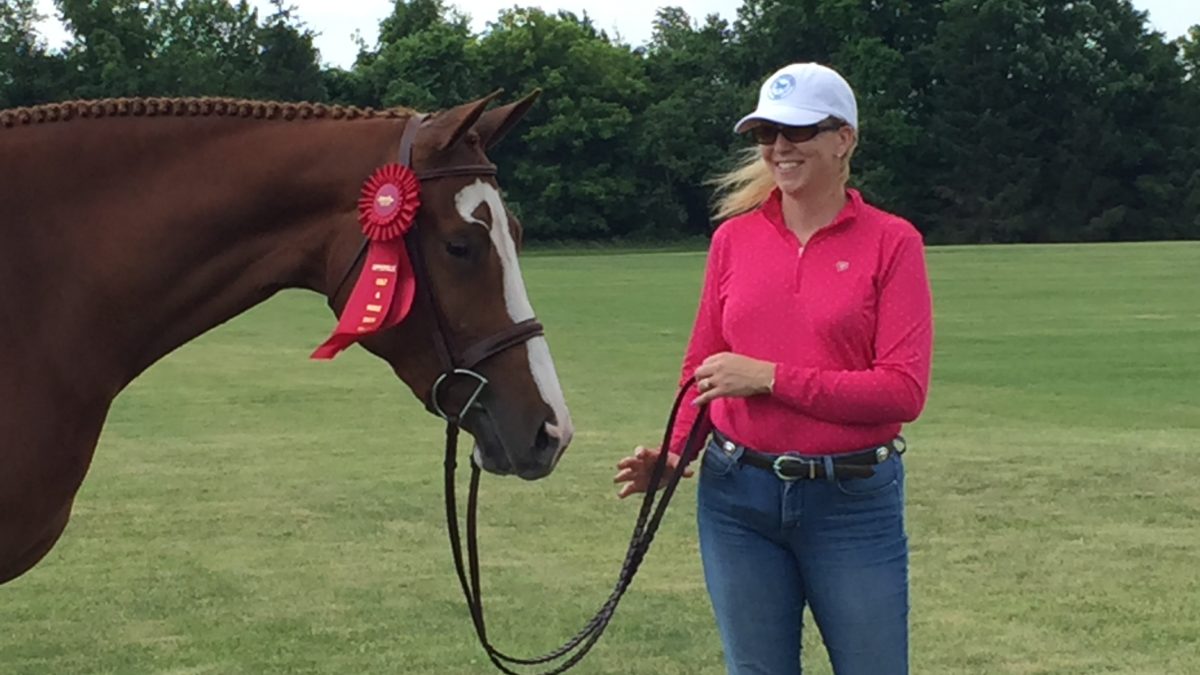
336, 21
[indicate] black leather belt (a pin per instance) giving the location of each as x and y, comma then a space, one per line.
790, 467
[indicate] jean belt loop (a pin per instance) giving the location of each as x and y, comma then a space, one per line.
828, 460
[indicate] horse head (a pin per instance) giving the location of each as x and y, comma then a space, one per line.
470, 348
184, 213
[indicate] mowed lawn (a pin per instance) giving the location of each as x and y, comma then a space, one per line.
250, 511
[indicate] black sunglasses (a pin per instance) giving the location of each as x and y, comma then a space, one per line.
765, 134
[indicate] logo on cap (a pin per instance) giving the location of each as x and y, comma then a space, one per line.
782, 86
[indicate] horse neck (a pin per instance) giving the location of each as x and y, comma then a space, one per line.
194, 221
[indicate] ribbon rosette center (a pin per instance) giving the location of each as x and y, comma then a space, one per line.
389, 202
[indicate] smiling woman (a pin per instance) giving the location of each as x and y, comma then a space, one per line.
812, 342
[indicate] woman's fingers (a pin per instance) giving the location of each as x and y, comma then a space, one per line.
630, 489
714, 391
641, 454
625, 475
635, 470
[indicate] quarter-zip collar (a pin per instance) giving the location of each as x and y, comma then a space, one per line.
772, 210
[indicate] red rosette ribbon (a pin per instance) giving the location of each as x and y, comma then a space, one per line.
389, 202
384, 291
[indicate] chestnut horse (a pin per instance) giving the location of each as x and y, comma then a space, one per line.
129, 227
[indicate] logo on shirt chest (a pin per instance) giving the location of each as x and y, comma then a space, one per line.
842, 265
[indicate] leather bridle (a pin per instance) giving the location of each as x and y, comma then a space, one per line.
462, 364
453, 364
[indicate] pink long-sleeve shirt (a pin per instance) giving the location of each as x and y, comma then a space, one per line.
846, 318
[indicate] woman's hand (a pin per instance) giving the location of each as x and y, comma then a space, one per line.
728, 374
635, 470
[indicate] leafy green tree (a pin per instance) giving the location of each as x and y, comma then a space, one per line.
203, 47
981, 120
413, 16
188, 48
685, 134
1048, 122
112, 46
28, 73
288, 67
1189, 53
569, 171
1186, 148
425, 59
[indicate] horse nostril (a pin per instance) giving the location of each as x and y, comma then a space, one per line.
543, 439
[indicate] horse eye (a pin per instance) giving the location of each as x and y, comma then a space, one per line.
458, 249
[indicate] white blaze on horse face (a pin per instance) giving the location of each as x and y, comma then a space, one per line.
516, 299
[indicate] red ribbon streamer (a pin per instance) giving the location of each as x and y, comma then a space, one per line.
386, 286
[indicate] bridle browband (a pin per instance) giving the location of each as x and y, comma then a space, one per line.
462, 365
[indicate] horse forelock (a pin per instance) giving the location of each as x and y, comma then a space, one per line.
188, 107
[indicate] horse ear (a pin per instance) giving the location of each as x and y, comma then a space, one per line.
495, 123
453, 123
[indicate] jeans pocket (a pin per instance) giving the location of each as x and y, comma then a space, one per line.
887, 476
716, 461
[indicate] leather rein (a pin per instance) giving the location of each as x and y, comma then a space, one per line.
462, 365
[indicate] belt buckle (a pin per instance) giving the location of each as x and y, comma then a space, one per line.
783, 460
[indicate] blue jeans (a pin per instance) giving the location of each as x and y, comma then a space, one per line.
770, 546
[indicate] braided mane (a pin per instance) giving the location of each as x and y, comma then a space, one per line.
187, 107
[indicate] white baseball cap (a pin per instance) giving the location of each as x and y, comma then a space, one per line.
801, 94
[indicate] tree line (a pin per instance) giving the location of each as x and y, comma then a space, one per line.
982, 120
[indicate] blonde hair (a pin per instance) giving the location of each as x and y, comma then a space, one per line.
749, 183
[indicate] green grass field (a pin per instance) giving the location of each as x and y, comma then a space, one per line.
250, 511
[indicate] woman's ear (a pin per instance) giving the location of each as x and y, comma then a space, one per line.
847, 137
